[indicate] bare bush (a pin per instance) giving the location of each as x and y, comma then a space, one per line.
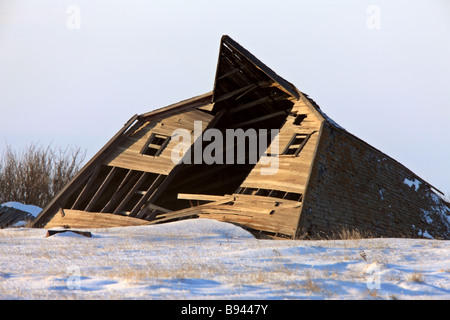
36, 174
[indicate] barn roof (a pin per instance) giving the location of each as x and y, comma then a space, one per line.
238, 68
246, 94
9, 216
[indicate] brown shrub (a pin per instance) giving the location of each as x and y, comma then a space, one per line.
36, 174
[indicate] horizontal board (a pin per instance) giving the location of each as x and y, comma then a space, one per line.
84, 219
204, 197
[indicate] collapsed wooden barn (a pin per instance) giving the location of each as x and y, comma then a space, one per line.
311, 178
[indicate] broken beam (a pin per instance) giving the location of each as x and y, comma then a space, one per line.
202, 197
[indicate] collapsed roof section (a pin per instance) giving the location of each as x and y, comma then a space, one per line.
324, 178
133, 177
238, 69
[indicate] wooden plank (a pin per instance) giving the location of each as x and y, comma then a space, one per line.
282, 220
188, 211
175, 216
207, 107
135, 161
247, 198
268, 223
84, 219
229, 73
250, 222
233, 93
178, 107
203, 197
155, 207
302, 145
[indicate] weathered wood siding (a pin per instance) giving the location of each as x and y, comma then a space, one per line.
273, 215
128, 155
277, 217
293, 170
355, 186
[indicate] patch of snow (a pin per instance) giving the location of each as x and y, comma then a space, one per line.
208, 259
426, 214
416, 183
20, 224
31, 209
427, 235
440, 209
436, 199
381, 193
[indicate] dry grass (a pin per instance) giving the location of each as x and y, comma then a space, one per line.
416, 277
352, 234
310, 285
36, 174
345, 233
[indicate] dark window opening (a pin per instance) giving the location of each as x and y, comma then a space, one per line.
263, 192
155, 145
296, 144
299, 119
293, 196
249, 191
271, 193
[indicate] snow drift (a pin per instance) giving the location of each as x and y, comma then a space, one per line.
208, 259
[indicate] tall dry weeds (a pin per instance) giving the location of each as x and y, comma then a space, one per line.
35, 174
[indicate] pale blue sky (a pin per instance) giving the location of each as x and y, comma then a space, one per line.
389, 86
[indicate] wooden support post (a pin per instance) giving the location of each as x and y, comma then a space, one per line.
302, 144
137, 208
124, 201
155, 207
123, 187
229, 73
102, 188
86, 188
231, 94
249, 105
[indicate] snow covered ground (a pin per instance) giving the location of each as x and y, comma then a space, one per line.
207, 259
